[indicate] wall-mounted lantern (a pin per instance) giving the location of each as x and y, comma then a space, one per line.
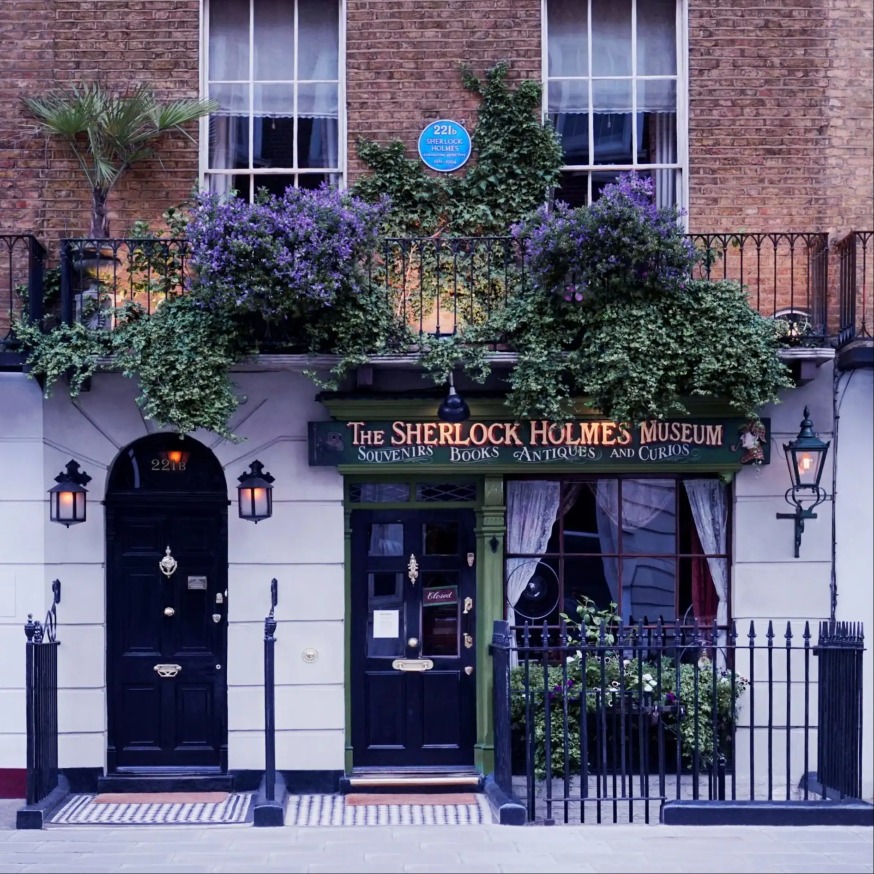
805, 456
255, 493
67, 500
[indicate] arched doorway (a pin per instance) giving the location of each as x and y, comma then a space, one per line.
166, 608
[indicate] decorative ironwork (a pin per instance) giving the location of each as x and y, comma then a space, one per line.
413, 569
445, 492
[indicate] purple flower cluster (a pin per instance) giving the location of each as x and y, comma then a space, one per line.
622, 245
281, 255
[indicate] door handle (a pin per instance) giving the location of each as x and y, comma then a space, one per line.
167, 671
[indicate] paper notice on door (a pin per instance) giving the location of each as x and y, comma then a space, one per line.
385, 623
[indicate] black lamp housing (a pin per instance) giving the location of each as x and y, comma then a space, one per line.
255, 493
805, 457
68, 499
453, 408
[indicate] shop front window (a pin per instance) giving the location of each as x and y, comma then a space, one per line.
273, 66
655, 547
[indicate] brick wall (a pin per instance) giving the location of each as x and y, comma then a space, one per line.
780, 99
53, 44
402, 59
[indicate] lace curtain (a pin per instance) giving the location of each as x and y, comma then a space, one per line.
709, 510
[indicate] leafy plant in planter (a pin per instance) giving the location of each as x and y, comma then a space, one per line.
612, 313
661, 687
109, 133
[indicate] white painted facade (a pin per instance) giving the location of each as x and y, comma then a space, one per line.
303, 547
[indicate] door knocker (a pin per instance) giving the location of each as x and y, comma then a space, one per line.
167, 564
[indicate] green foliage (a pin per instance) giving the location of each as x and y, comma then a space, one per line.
516, 163
181, 355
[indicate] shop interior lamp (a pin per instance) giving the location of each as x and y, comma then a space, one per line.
255, 493
453, 408
805, 456
67, 499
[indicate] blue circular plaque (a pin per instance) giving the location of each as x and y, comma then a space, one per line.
444, 145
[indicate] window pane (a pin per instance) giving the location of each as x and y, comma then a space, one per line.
611, 37
440, 615
314, 180
611, 127
228, 142
386, 539
533, 589
649, 517
273, 142
274, 40
317, 142
648, 588
318, 40
440, 538
229, 40
385, 585
567, 34
274, 183
656, 37
379, 492
594, 578
656, 138
573, 128
573, 188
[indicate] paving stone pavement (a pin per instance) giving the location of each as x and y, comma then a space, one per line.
439, 849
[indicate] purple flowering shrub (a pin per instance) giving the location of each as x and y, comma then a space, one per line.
623, 245
282, 256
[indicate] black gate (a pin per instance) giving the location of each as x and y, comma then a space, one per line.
607, 723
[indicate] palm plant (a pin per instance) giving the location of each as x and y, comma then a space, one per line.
109, 133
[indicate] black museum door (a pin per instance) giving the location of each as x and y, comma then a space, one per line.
413, 647
166, 604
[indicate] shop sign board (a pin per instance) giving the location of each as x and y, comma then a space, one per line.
580, 442
444, 145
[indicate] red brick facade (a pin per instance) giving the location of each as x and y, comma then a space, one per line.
780, 99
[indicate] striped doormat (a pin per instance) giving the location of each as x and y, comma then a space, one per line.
315, 810
155, 809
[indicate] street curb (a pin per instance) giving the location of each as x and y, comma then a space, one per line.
686, 812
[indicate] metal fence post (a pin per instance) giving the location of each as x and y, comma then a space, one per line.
500, 650
270, 695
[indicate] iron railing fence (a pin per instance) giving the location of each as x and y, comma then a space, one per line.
438, 284
839, 744
855, 256
41, 702
611, 725
22, 262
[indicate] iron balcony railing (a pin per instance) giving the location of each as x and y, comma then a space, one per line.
438, 284
22, 287
613, 724
855, 256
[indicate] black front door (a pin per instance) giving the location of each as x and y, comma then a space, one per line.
167, 633
413, 647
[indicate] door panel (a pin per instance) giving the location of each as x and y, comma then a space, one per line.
174, 720
412, 582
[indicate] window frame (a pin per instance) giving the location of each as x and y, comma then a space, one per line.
204, 170
681, 166
677, 556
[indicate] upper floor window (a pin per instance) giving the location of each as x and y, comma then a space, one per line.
273, 66
613, 89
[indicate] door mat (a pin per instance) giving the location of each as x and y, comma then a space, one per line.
437, 798
87, 810
160, 797
315, 810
